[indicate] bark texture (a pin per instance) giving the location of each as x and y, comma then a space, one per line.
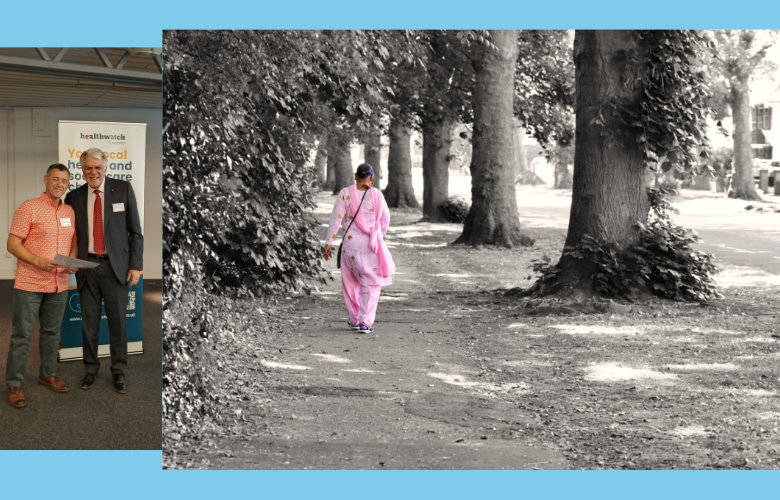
344, 170
608, 187
373, 155
437, 145
743, 186
399, 191
493, 218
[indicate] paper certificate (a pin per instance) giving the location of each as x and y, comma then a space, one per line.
63, 261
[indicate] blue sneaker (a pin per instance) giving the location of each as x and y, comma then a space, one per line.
353, 327
364, 328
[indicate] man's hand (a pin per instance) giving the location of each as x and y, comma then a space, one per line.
327, 252
71, 270
45, 264
133, 276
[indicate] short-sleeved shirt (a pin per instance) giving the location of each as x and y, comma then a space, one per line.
46, 230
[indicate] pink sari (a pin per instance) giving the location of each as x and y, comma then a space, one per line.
376, 241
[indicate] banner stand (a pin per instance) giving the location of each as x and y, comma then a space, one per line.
125, 145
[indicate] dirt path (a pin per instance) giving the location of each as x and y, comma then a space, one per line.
404, 397
459, 376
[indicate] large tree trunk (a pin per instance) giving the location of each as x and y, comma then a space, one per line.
373, 154
493, 218
331, 158
345, 174
320, 162
742, 183
609, 195
437, 145
399, 191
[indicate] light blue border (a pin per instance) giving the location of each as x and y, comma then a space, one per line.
139, 23
138, 475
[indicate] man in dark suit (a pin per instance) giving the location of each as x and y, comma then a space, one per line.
108, 230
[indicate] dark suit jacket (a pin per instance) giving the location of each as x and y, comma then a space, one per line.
121, 230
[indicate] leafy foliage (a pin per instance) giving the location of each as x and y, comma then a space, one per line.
671, 122
241, 111
456, 209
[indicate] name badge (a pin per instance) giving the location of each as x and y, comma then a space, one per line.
64, 221
119, 207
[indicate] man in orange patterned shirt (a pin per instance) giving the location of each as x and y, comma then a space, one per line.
41, 228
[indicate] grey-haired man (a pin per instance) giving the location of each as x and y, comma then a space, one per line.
108, 230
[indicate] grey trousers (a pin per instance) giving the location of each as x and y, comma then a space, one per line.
49, 309
101, 285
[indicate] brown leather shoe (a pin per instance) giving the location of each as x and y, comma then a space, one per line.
55, 383
16, 397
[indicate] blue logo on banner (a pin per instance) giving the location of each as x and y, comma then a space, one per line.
75, 303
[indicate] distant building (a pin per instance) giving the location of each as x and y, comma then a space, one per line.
764, 136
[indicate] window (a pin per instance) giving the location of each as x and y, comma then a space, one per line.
763, 153
761, 118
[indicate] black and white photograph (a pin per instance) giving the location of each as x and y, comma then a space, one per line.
467, 249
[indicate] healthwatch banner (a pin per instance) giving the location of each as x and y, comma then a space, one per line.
125, 146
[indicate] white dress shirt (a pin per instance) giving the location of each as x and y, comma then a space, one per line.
91, 210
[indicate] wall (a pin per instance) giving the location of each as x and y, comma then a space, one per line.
24, 158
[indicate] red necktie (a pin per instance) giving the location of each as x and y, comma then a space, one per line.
97, 225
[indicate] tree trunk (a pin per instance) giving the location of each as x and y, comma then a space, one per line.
562, 175
345, 174
373, 154
521, 159
320, 162
609, 195
331, 157
399, 191
437, 145
742, 183
493, 218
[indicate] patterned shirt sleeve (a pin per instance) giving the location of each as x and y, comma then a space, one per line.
336, 218
20, 225
384, 221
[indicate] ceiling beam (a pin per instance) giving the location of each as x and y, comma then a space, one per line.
43, 54
61, 54
79, 71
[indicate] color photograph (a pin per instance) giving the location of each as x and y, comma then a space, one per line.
81, 277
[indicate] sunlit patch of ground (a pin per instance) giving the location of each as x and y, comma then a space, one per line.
704, 367
331, 358
745, 276
688, 431
283, 366
615, 372
596, 329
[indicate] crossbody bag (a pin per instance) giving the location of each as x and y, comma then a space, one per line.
338, 257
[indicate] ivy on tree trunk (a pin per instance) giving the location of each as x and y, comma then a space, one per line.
493, 218
399, 191
437, 143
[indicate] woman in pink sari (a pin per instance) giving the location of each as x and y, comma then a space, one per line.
366, 264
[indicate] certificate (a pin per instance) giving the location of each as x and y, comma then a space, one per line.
63, 261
